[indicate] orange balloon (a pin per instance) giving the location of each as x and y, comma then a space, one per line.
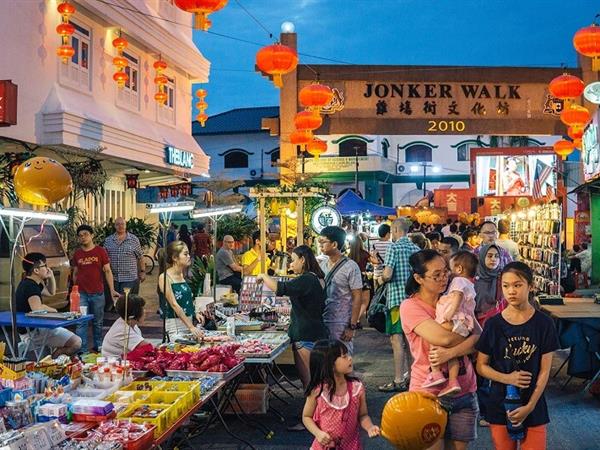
42, 181
413, 421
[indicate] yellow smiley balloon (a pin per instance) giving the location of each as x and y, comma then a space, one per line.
42, 181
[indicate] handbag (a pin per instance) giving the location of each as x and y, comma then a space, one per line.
377, 309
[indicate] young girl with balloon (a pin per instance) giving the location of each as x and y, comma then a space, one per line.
336, 404
515, 352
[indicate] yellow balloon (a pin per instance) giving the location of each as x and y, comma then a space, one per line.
292, 206
434, 219
274, 207
413, 421
42, 181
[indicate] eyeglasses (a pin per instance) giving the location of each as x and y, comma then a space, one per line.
440, 276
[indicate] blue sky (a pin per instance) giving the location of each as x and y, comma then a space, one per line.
406, 32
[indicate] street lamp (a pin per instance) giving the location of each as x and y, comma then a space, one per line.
22, 216
165, 215
215, 214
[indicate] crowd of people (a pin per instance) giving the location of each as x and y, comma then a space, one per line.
451, 292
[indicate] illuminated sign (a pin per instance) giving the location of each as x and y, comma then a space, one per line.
179, 158
325, 216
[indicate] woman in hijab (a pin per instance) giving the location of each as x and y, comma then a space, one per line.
489, 300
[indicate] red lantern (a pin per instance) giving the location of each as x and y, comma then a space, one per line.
65, 9
65, 29
575, 132
161, 79
121, 78
201, 10
120, 44
160, 97
301, 137
575, 115
566, 87
120, 62
202, 118
65, 52
307, 120
315, 96
277, 60
316, 147
563, 148
201, 93
577, 143
201, 105
132, 180
174, 191
587, 42
159, 65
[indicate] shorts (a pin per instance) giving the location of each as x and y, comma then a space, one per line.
462, 419
308, 345
52, 338
393, 324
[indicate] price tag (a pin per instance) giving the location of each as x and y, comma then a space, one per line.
20, 444
37, 439
55, 433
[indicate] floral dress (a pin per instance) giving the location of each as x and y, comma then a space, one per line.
338, 416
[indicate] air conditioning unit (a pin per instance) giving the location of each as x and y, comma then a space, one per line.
401, 168
253, 173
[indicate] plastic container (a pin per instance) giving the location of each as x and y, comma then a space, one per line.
144, 386
5, 396
513, 401
74, 298
251, 398
193, 387
145, 441
93, 418
177, 400
165, 418
128, 396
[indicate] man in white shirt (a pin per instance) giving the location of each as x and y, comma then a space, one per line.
379, 248
505, 241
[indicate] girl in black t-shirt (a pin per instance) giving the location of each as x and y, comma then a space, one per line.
516, 349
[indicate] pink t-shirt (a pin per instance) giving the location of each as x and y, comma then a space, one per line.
413, 312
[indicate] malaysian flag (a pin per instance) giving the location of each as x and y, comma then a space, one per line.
542, 172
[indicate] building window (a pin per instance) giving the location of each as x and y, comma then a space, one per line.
166, 111
235, 159
76, 72
418, 153
129, 96
463, 152
352, 147
274, 157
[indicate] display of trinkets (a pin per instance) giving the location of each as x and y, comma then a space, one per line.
538, 233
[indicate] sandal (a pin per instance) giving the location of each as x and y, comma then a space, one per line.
394, 387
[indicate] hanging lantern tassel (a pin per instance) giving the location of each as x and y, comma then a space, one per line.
65, 30
120, 76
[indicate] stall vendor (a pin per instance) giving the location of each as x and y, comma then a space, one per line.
307, 295
125, 332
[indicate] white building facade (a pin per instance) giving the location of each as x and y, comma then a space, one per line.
69, 111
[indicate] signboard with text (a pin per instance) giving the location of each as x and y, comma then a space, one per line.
179, 158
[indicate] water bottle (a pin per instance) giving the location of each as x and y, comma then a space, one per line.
513, 401
74, 299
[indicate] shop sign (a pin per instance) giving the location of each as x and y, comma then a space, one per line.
325, 216
8, 103
179, 158
348, 164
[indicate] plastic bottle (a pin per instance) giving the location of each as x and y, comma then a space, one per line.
513, 401
74, 298
230, 327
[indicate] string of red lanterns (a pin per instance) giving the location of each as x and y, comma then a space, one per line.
201, 9
65, 30
160, 80
202, 117
120, 76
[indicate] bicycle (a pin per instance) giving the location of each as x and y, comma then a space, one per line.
149, 263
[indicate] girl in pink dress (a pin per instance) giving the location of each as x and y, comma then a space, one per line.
455, 311
336, 404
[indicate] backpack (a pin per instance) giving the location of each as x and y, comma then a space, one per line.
377, 309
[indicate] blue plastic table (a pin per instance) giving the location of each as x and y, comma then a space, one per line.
32, 323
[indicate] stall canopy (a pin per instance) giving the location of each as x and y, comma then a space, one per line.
350, 203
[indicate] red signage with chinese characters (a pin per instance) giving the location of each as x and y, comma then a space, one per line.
8, 103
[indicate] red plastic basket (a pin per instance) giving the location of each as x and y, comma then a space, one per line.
144, 442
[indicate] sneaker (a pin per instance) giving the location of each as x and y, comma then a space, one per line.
434, 379
451, 390
394, 387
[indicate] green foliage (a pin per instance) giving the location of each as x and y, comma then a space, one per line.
145, 232
237, 225
89, 178
68, 230
198, 272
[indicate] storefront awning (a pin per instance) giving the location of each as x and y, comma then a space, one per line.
88, 123
593, 185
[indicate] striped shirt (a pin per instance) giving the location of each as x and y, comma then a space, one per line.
124, 256
381, 247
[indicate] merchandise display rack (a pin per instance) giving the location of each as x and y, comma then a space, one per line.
538, 232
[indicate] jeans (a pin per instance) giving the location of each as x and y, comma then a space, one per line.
335, 332
235, 281
95, 304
